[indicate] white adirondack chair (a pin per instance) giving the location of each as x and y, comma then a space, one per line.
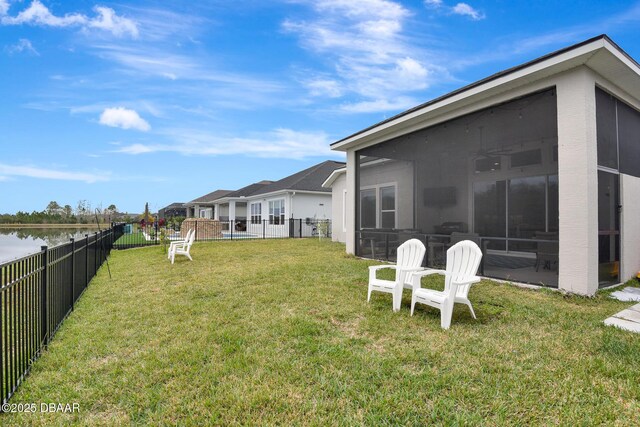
463, 260
183, 249
175, 243
409, 260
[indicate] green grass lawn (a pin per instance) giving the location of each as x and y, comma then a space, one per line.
279, 332
134, 239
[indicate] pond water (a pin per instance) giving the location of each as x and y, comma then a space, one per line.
18, 242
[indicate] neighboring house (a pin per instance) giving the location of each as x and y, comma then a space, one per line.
174, 209
270, 203
540, 164
203, 207
233, 206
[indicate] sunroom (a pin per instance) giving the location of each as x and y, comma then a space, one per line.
538, 164
490, 176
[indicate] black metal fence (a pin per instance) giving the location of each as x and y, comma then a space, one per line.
37, 293
136, 235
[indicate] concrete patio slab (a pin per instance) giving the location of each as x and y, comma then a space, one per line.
627, 294
628, 319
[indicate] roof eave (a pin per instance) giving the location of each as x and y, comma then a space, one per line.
331, 178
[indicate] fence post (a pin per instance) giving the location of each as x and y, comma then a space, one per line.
96, 263
86, 260
386, 246
300, 228
231, 227
73, 270
44, 323
482, 244
264, 228
196, 238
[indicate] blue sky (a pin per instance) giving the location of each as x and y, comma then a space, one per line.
134, 102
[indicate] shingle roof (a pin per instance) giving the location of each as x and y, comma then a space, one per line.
249, 190
310, 179
210, 197
175, 205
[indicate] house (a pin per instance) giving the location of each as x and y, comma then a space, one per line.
202, 207
539, 164
232, 207
270, 203
174, 209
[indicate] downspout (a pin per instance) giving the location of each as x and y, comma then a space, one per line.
291, 203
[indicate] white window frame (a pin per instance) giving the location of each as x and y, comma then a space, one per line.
281, 214
255, 217
377, 188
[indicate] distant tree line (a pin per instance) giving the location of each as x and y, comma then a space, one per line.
56, 214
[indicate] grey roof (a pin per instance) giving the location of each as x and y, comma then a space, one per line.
310, 179
249, 190
175, 205
210, 197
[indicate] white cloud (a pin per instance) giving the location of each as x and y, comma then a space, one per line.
324, 87
379, 105
39, 14
462, 9
4, 7
109, 21
466, 10
365, 43
43, 173
23, 45
138, 149
411, 72
384, 9
278, 143
382, 28
123, 118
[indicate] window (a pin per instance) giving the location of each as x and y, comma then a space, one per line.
256, 213
378, 207
388, 207
276, 212
368, 208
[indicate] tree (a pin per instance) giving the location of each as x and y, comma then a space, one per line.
53, 208
146, 216
67, 211
82, 208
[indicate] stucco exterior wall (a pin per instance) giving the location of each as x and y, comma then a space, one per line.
577, 182
350, 238
316, 206
338, 213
